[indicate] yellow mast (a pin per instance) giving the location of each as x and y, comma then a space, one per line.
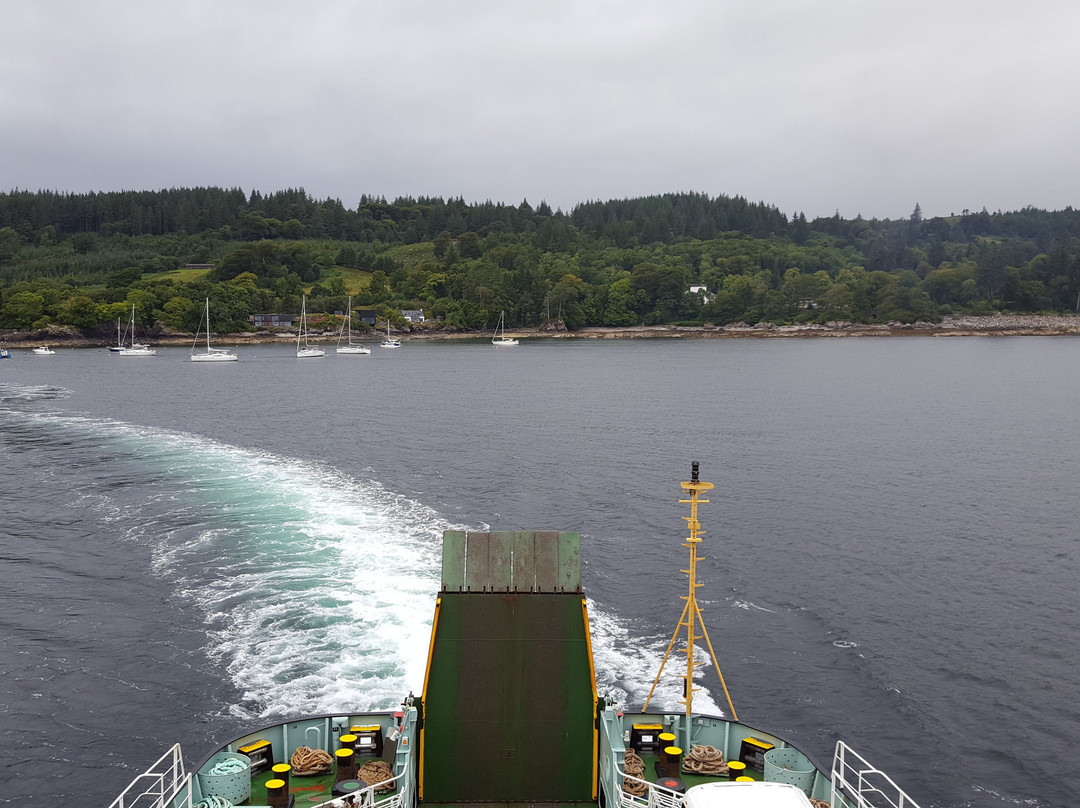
691, 616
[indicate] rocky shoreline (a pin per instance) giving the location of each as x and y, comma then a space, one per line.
959, 326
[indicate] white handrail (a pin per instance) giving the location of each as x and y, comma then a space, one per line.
365, 797
655, 796
853, 778
160, 785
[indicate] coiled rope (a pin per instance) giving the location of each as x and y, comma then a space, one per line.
376, 771
706, 760
214, 802
306, 760
634, 766
229, 766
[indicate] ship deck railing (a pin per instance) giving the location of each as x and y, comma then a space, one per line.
164, 785
367, 798
655, 796
857, 784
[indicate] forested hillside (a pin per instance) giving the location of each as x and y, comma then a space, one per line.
83, 260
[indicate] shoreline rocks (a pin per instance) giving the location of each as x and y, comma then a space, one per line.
963, 325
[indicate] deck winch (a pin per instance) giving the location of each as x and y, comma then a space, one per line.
367, 740
646, 737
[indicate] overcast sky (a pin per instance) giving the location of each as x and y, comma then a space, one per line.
854, 106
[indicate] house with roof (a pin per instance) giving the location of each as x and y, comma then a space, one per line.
701, 291
272, 320
413, 315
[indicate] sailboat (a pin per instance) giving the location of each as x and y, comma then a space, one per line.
136, 348
389, 342
212, 354
346, 327
119, 346
500, 339
308, 350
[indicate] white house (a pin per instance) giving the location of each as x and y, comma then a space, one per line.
702, 291
413, 315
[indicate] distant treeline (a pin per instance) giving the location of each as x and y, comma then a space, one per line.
292, 213
616, 262
232, 214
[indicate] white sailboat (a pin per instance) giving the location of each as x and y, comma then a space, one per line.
119, 346
307, 351
136, 348
212, 354
346, 328
500, 339
389, 342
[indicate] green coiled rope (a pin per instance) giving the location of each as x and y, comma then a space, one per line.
214, 802
229, 766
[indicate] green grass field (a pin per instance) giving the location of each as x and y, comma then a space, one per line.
181, 275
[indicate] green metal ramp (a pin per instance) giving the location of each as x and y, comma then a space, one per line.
509, 703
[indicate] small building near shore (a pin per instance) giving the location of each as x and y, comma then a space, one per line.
702, 292
272, 320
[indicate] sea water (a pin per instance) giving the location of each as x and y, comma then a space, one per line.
889, 557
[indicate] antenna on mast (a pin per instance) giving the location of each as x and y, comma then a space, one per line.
691, 616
